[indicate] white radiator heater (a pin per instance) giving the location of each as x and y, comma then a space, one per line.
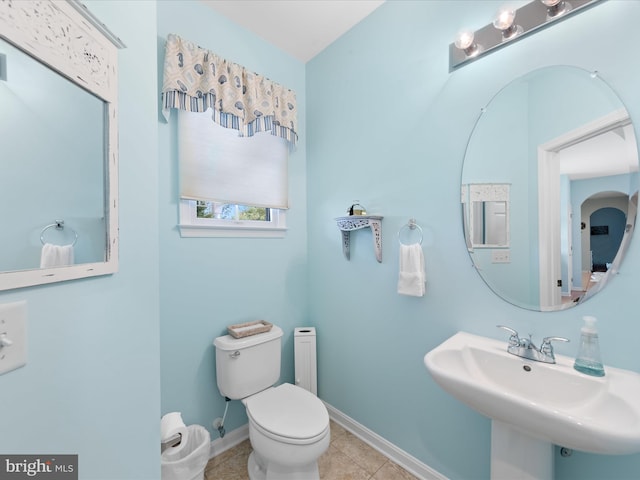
305, 364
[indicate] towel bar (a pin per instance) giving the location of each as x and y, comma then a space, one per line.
411, 225
59, 225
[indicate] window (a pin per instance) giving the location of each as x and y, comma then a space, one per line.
227, 211
211, 219
230, 185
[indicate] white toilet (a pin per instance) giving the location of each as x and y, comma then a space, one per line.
288, 426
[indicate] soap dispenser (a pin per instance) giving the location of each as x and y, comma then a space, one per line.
588, 360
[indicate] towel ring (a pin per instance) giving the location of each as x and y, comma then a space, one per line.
58, 225
411, 225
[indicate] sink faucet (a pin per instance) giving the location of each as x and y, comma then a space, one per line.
524, 347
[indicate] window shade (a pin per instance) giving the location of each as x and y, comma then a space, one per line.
217, 165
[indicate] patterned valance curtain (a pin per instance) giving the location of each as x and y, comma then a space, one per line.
196, 79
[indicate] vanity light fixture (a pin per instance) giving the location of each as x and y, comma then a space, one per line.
511, 25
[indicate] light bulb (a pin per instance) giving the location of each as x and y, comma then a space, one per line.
504, 22
464, 39
504, 19
465, 42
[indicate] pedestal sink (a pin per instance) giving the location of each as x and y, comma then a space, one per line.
534, 405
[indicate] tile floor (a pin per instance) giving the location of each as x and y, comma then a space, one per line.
347, 458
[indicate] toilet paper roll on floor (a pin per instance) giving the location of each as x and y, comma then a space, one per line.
170, 424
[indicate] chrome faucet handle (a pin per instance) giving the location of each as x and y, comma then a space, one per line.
527, 343
514, 339
546, 346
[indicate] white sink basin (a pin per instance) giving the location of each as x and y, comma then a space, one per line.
551, 402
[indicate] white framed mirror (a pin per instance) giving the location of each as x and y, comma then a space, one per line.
59, 132
488, 214
564, 142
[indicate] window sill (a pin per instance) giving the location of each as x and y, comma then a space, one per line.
228, 231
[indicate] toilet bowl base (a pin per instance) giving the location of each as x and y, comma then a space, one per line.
259, 470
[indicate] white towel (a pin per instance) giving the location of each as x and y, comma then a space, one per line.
56, 255
411, 278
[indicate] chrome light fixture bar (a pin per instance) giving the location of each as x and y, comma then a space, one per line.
510, 26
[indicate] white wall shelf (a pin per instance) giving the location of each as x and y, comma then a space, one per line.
357, 222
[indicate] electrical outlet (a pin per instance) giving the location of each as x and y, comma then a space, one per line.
501, 256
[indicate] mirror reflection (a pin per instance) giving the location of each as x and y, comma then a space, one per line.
490, 224
52, 189
563, 142
488, 214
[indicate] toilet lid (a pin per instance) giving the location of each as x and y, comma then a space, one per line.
288, 411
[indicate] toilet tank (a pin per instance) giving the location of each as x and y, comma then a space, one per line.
248, 365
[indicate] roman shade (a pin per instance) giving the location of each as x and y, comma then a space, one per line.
216, 165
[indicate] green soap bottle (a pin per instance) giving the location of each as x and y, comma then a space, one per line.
588, 360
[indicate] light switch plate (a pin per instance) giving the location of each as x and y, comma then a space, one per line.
501, 256
13, 325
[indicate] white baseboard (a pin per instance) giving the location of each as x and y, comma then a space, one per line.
230, 440
388, 449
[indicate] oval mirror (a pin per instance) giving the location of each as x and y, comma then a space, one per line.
550, 188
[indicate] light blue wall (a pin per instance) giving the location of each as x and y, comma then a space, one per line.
93, 345
91, 385
388, 126
210, 283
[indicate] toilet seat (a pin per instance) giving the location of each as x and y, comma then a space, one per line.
288, 414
